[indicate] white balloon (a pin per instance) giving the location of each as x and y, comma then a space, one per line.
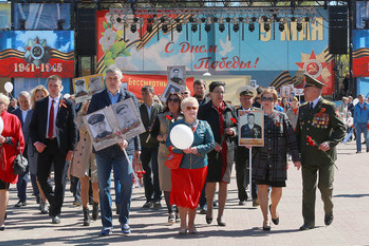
181, 136
8, 86
1, 125
355, 101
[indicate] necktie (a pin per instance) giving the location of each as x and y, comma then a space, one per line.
311, 106
51, 120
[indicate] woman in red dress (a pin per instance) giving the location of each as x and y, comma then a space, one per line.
11, 133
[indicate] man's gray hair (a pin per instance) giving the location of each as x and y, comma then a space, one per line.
24, 94
115, 69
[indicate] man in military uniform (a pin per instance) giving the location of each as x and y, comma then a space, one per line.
319, 129
126, 118
246, 94
250, 129
80, 88
97, 121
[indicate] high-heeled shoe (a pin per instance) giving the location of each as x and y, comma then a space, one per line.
275, 221
266, 226
221, 222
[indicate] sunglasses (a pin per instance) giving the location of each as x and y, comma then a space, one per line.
191, 108
267, 99
175, 100
185, 93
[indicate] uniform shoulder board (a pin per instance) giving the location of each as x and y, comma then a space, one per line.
304, 104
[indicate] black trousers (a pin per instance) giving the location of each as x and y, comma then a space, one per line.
50, 155
152, 187
243, 174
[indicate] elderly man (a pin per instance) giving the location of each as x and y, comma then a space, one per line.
246, 94
318, 121
114, 157
53, 132
24, 115
149, 110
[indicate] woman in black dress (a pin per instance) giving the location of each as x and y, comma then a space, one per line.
222, 120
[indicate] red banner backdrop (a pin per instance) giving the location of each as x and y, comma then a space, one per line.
360, 62
159, 82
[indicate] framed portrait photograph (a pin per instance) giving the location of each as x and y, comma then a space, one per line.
171, 88
128, 119
85, 87
251, 127
110, 125
177, 74
285, 91
253, 83
101, 129
96, 83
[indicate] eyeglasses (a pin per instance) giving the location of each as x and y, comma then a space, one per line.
175, 100
185, 93
191, 108
267, 99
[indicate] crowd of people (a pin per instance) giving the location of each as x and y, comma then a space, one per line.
50, 132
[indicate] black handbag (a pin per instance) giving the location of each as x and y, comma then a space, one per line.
20, 165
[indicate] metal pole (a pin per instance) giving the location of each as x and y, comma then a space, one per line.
352, 87
250, 170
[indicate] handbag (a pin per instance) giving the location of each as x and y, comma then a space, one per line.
173, 160
20, 164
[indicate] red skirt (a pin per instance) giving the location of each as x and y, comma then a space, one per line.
187, 185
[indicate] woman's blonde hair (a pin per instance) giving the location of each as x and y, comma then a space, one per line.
189, 100
34, 91
4, 99
270, 91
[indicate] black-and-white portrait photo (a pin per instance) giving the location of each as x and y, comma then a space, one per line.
80, 87
286, 91
99, 126
253, 83
96, 84
177, 75
171, 88
251, 125
125, 115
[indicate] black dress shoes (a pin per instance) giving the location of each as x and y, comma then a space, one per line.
221, 222
208, 220
328, 219
55, 220
306, 227
20, 204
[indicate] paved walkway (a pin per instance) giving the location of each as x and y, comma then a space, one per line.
26, 226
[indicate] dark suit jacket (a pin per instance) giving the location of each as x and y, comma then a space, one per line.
101, 100
66, 129
25, 125
156, 108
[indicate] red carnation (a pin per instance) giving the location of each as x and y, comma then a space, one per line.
308, 138
170, 148
168, 117
234, 120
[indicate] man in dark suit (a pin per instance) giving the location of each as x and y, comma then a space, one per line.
149, 110
246, 94
114, 157
53, 132
250, 129
23, 113
318, 121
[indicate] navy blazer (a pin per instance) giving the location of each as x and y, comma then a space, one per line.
101, 100
25, 125
66, 129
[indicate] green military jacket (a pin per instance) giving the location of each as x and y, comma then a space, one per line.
321, 124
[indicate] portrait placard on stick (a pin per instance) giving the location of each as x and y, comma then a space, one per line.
171, 88
251, 128
110, 125
85, 87
177, 75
